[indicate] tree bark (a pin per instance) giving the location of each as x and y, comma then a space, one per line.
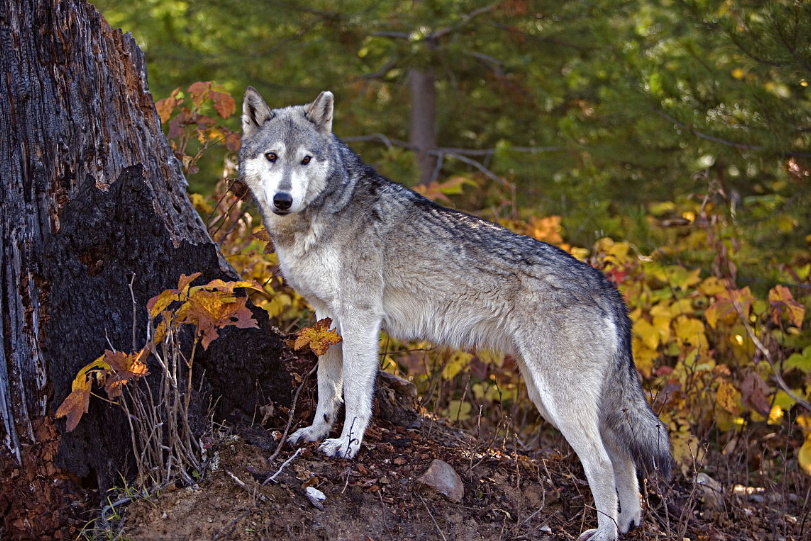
91, 195
422, 121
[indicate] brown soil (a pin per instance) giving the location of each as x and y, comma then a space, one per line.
508, 496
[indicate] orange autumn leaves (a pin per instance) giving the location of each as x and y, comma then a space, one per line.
208, 307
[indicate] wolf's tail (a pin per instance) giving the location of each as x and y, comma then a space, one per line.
627, 423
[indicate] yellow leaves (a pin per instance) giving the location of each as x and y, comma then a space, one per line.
653, 334
644, 357
317, 338
738, 73
439, 191
728, 397
458, 361
200, 204
545, 229
712, 286
616, 253
676, 276
804, 455
690, 331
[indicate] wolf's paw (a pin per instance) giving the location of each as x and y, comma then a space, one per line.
597, 535
629, 521
311, 433
342, 447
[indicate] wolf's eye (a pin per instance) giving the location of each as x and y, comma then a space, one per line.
306, 160
271, 156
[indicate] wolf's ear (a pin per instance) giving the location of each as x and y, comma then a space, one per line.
255, 111
319, 112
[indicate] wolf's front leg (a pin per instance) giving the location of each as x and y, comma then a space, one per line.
330, 378
360, 346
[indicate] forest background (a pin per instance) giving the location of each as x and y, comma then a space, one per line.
667, 143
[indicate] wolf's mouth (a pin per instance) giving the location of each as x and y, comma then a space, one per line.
280, 212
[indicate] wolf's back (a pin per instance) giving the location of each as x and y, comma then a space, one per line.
627, 422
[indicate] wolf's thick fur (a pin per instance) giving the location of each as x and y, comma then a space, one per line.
372, 254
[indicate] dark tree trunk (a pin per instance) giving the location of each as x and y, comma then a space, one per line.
422, 124
91, 195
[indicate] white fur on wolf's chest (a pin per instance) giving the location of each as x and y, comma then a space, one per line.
311, 272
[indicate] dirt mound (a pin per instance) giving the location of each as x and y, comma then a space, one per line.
377, 497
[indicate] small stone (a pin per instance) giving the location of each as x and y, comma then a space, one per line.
316, 497
441, 477
712, 491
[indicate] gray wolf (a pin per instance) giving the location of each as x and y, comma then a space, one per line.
372, 255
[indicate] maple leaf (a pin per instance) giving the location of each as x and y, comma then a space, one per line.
223, 103
199, 91
724, 306
781, 299
167, 105
753, 394
76, 403
211, 310
124, 368
319, 337
233, 141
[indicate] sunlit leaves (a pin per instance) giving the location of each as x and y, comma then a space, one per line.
111, 371
317, 338
208, 308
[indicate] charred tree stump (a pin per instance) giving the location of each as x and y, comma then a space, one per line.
91, 195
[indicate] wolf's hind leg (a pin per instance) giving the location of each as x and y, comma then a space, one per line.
628, 489
330, 381
569, 400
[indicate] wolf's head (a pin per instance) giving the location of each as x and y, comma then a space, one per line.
286, 154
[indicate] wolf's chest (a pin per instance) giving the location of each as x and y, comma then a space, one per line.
312, 273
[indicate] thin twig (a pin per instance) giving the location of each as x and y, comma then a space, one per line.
291, 415
134, 313
228, 528
286, 462
432, 517
383, 509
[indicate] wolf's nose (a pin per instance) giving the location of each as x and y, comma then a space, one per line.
283, 201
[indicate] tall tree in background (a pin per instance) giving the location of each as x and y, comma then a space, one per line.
94, 203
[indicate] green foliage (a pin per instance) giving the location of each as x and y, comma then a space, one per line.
680, 129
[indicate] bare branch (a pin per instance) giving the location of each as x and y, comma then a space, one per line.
387, 34
469, 17
489, 174
382, 71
